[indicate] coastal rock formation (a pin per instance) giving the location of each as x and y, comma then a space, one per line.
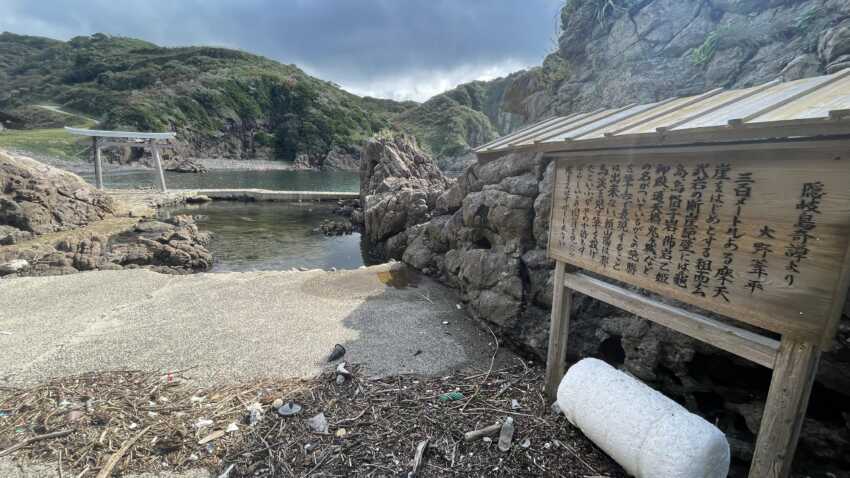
172, 160
337, 159
488, 239
173, 246
650, 50
399, 186
36, 198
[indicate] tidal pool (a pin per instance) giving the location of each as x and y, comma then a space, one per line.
256, 236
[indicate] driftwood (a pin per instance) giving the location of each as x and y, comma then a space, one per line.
116, 457
417, 460
484, 432
11, 449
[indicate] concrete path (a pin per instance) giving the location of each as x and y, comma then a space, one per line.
232, 326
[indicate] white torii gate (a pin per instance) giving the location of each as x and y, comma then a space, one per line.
105, 139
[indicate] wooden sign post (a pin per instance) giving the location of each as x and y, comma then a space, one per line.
754, 233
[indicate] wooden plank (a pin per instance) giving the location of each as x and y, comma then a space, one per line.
741, 342
785, 410
817, 104
559, 331
529, 137
503, 141
160, 174
838, 304
773, 103
522, 130
674, 106
617, 118
778, 267
736, 97
98, 166
598, 115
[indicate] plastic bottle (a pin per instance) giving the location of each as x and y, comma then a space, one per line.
506, 436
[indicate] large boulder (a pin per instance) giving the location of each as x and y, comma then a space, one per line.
399, 188
38, 198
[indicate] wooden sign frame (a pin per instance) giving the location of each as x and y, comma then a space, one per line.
793, 357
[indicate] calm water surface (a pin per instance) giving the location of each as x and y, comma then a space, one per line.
261, 235
337, 181
273, 236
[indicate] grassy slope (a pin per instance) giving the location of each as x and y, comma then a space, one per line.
47, 136
214, 95
199, 92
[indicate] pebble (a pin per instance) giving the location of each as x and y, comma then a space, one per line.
277, 403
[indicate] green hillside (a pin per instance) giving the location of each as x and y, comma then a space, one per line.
220, 101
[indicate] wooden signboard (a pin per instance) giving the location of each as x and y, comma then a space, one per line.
757, 233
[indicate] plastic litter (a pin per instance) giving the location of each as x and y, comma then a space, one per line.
515, 404
255, 413
506, 436
451, 397
289, 409
318, 423
337, 353
648, 434
201, 423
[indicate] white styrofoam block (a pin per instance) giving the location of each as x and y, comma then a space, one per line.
648, 434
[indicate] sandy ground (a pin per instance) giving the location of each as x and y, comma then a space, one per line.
231, 326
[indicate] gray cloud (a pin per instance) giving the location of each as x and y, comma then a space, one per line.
394, 48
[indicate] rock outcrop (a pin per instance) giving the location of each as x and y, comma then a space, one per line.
37, 201
36, 198
399, 187
172, 246
337, 159
618, 52
615, 52
488, 238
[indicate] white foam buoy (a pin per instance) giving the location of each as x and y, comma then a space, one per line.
648, 434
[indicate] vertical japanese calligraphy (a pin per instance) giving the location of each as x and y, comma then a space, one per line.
720, 231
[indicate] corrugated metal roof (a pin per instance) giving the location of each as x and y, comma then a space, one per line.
817, 106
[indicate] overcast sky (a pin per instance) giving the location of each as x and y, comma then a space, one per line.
401, 49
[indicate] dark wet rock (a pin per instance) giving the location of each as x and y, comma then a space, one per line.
198, 199
331, 227
174, 246
184, 165
338, 158
399, 187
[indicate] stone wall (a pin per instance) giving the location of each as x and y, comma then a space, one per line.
488, 239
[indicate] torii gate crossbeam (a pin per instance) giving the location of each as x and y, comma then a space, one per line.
103, 138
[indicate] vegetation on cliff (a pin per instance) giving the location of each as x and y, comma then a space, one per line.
220, 101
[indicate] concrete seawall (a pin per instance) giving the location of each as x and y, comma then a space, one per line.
267, 195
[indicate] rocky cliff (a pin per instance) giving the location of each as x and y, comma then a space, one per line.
399, 187
620, 51
615, 52
489, 231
